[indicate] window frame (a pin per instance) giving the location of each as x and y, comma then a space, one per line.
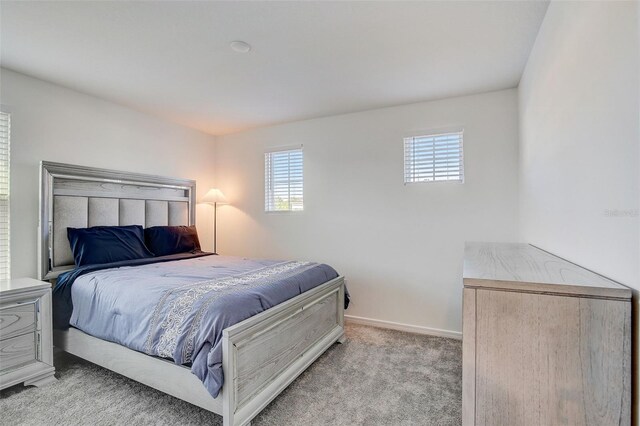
5, 112
432, 134
269, 192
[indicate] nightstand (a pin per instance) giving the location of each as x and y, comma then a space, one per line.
26, 339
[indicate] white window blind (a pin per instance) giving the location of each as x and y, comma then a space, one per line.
283, 180
434, 158
5, 131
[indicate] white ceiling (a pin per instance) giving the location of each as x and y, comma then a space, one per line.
309, 59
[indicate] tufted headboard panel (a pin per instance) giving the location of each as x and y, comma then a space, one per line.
80, 197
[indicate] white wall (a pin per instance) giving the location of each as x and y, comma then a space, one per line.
400, 247
579, 139
53, 123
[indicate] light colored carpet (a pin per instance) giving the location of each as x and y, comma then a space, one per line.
378, 377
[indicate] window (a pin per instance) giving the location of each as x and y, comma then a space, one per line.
283, 180
434, 158
5, 131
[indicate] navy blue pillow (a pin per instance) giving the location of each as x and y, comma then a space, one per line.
164, 240
106, 244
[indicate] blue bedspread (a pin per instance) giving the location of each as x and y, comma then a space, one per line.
178, 308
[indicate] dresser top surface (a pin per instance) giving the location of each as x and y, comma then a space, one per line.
518, 266
17, 285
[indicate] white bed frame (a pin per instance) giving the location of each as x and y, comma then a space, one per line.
261, 355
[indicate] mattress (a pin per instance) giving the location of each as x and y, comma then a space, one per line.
178, 309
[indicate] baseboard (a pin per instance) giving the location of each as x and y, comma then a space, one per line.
418, 329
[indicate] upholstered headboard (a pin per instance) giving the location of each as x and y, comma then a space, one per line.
80, 197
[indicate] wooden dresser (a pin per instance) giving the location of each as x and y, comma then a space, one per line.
26, 340
545, 342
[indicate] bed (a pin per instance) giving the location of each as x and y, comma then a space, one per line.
257, 357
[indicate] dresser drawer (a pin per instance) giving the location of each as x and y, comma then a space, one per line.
17, 320
17, 351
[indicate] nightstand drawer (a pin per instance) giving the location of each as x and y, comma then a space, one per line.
17, 351
17, 320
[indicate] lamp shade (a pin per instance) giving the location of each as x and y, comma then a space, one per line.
214, 196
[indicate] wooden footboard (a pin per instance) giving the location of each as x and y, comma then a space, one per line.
265, 353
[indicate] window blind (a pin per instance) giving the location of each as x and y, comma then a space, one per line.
434, 158
5, 131
283, 180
